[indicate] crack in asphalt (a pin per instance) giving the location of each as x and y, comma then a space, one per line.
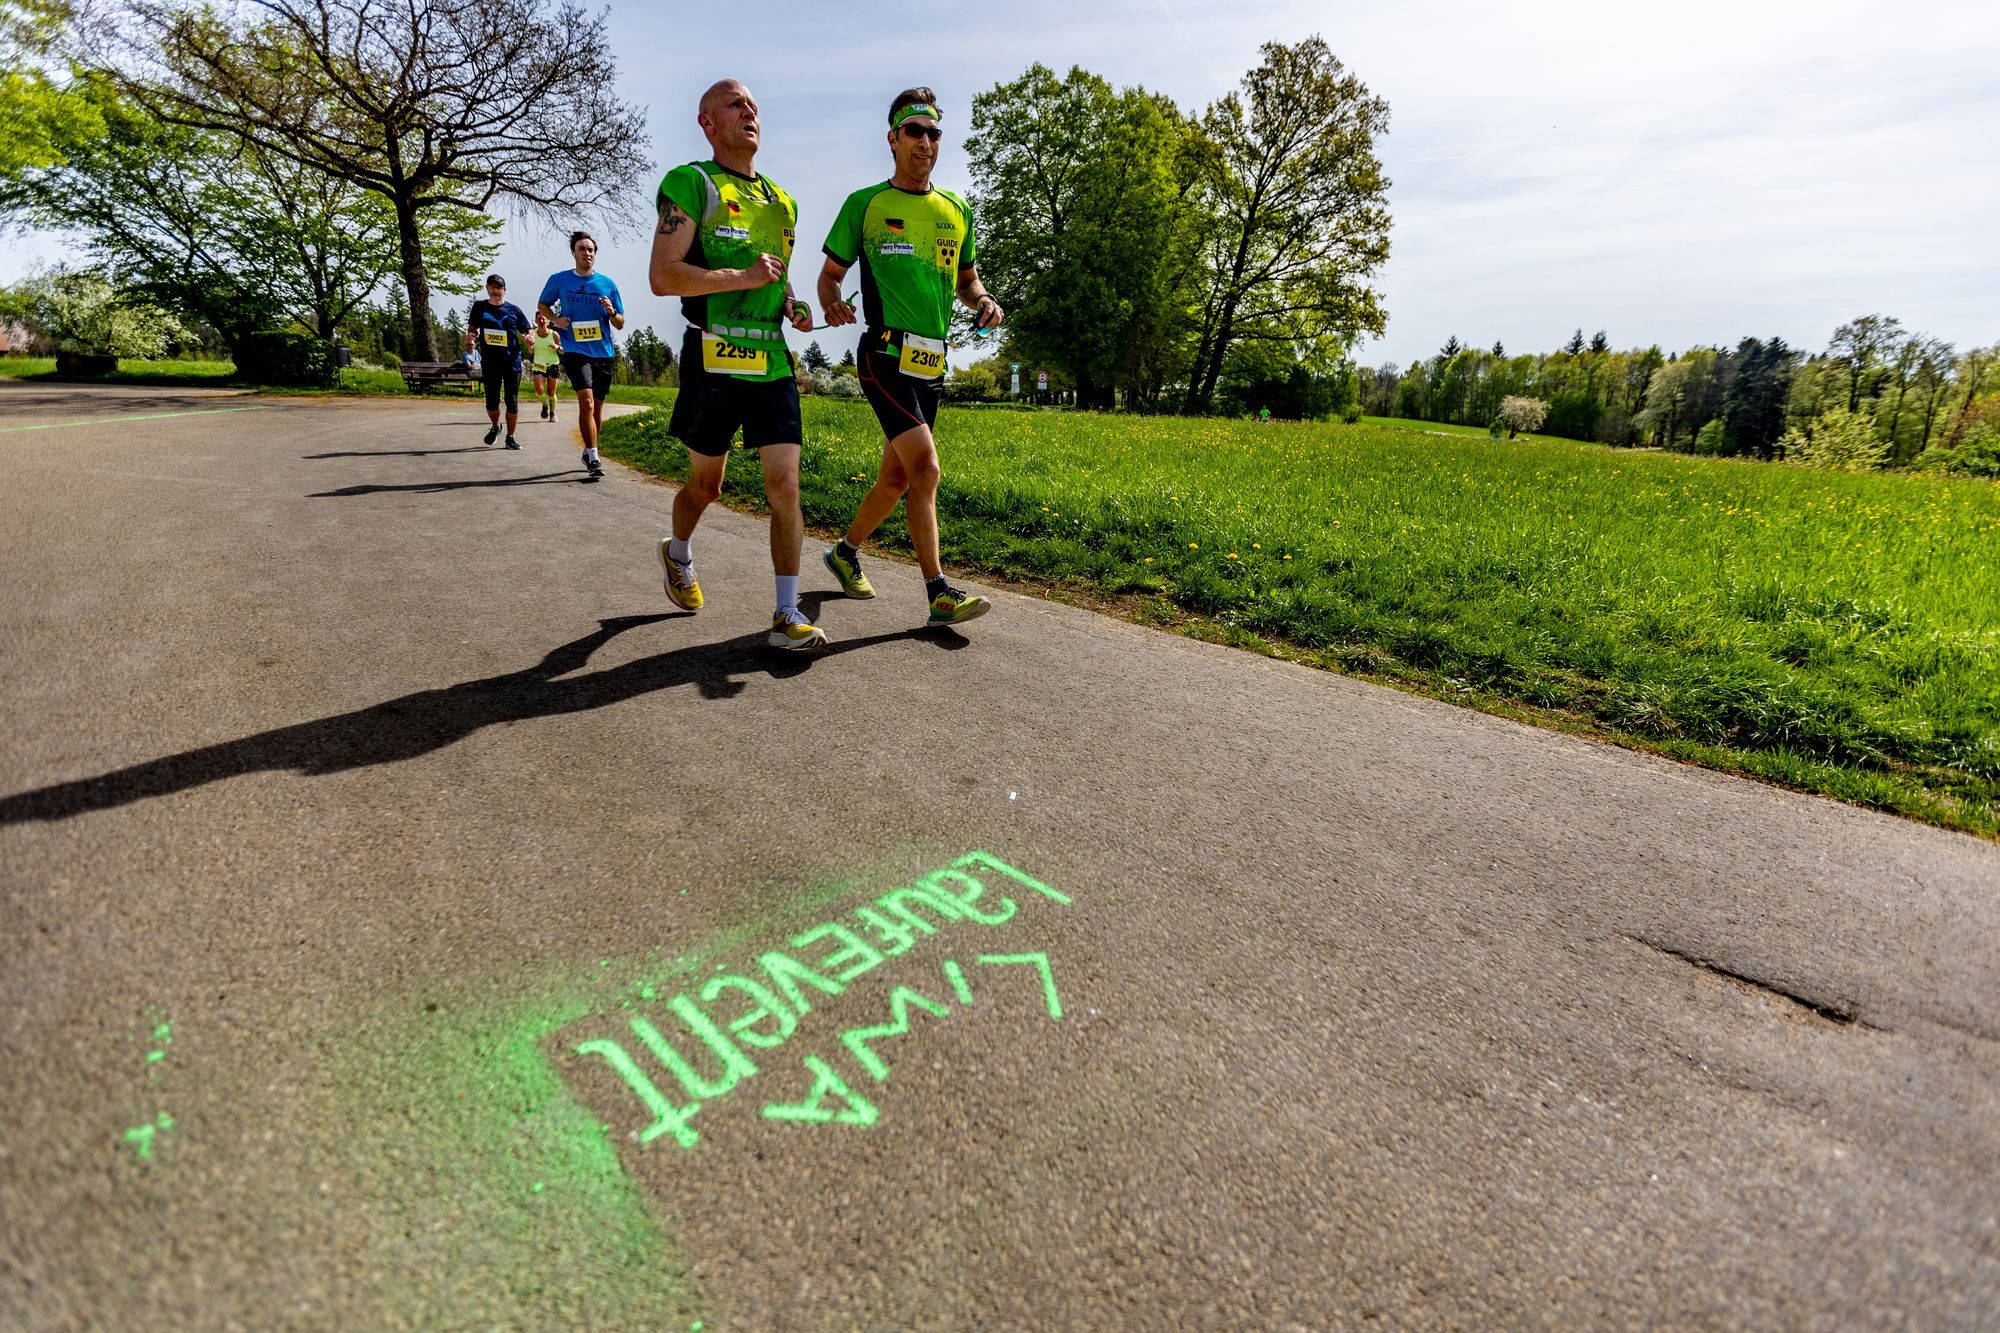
1838, 1012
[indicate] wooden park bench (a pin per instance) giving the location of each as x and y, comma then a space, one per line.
423, 376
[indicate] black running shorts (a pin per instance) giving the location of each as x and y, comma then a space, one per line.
502, 377
589, 374
901, 402
711, 408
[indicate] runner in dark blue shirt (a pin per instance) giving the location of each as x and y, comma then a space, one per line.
495, 328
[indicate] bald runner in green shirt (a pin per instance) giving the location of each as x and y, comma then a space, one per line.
723, 245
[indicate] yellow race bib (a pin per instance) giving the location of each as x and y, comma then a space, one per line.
719, 356
495, 337
590, 332
923, 358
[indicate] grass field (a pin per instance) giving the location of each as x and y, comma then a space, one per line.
1445, 428
353, 380
1831, 632
128, 372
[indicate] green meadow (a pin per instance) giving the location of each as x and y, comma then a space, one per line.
1832, 632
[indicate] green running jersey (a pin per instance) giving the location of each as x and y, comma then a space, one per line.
912, 247
545, 349
737, 218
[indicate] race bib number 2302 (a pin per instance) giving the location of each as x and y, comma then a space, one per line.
923, 358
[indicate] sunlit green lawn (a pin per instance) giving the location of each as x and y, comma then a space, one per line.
1836, 632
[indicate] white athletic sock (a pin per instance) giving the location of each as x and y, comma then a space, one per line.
679, 551
788, 592
591, 452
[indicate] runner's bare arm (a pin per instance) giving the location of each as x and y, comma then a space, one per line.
837, 311
555, 321
797, 311
672, 275
973, 294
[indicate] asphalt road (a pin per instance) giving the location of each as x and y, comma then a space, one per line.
388, 872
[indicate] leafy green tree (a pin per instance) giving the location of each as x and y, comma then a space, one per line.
648, 355
1838, 440
1082, 193
815, 356
978, 382
1861, 345
1666, 400
39, 105
78, 310
1299, 210
1972, 443
220, 229
433, 107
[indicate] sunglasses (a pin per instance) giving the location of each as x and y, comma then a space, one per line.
931, 132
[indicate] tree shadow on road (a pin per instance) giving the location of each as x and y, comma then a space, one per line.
407, 453
567, 477
416, 724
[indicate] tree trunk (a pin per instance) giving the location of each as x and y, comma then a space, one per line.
1202, 392
417, 281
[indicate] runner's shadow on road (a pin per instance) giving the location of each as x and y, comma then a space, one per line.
416, 724
563, 478
404, 453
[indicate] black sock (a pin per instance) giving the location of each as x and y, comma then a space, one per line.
847, 550
935, 588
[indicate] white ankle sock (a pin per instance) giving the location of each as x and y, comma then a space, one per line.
679, 551
788, 592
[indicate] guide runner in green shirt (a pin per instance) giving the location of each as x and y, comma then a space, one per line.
917, 250
723, 245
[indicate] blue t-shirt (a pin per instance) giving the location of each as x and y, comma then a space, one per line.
504, 320
568, 294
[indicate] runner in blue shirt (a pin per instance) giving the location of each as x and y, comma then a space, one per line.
584, 306
493, 329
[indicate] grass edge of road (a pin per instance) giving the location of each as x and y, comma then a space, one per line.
1890, 791
354, 382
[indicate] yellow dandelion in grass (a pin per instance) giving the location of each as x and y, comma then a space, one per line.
1256, 546
1194, 546
1288, 557
1148, 560
1232, 555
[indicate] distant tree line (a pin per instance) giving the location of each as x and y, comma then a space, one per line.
1916, 395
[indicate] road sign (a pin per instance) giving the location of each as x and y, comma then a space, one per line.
1041, 379
1017, 377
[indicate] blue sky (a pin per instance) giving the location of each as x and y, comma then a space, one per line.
1688, 174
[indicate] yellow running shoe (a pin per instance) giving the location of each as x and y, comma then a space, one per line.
852, 581
681, 587
790, 630
952, 607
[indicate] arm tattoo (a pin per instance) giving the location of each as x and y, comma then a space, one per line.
671, 218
